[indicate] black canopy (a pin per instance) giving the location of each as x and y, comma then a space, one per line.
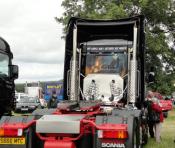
88, 30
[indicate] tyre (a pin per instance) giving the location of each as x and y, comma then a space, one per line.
138, 133
144, 135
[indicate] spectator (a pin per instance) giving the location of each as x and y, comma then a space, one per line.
157, 108
53, 101
149, 109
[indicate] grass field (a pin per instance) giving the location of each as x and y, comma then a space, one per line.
167, 133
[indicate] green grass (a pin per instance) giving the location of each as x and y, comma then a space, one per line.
167, 133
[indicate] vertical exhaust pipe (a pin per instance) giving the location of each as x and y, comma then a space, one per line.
74, 96
133, 70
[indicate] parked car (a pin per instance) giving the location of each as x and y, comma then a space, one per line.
166, 104
27, 104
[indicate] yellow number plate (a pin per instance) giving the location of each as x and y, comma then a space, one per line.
16, 141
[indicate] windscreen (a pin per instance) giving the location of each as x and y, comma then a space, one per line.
4, 64
111, 64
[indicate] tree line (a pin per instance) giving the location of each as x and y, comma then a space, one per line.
160, 30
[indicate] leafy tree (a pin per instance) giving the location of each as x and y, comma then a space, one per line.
160, 28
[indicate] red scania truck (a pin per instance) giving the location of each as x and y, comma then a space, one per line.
103, 92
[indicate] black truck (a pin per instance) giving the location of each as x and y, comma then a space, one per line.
8, 73
104, 91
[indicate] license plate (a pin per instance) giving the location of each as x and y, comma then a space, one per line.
15, 141
24, 109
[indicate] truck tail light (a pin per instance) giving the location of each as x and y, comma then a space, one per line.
10, 132
105, 134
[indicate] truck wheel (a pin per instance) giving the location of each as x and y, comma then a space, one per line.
138, 133
144, 134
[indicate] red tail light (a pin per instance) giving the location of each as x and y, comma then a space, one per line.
10, 132
120, 134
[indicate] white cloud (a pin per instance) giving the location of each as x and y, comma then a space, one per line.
34, 37
29, 72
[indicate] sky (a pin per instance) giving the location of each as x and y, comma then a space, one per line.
34, 37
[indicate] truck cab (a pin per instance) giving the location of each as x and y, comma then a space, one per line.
104, 60
8, 73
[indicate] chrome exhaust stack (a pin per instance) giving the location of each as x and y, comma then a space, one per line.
74, 78
133, 71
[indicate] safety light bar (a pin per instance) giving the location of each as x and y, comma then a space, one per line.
10, 132
105, 134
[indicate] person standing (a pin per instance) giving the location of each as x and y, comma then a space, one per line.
149, 102
157, 108
53, 101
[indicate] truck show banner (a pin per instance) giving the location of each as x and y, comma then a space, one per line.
50, 88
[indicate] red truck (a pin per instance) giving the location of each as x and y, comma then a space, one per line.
103, 92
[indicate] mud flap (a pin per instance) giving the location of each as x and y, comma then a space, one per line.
85, 142
131, 133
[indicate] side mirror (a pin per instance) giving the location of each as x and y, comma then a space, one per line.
14, 71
